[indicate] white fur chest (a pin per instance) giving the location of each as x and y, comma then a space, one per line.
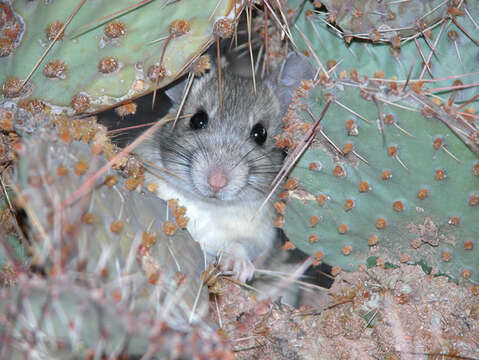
219, 228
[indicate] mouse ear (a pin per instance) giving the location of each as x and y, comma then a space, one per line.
176, 92
295, 67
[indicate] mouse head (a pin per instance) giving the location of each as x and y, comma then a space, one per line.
230, 155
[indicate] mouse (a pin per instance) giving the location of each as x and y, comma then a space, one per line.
221, 161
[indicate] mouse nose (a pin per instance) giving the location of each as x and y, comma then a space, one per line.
217, 179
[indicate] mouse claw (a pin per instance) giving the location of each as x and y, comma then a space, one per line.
242, 268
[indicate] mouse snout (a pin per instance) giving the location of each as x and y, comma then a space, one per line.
217, 179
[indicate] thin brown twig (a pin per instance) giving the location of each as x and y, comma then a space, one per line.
313, 53
428, 42
450, 77
468, 101
275, 17
11, 209
291, 278
433, 51
214, 10
455, 87
156, 166
464, 31
157, 80
248, 20
423, 58
328, 140
111, 132
285, 20
351, 111
189, 83
292, 158
409, 76
266, 39
468, 115
220, 87
432, 10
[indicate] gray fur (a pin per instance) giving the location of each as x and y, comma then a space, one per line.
226, 143
225, 140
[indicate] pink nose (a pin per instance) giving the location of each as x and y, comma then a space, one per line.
217, 179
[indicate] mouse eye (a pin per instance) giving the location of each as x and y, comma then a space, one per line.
199, 120
259, 134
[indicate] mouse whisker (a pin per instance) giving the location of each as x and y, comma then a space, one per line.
263, 190
177, 162
180, 149
243, 157
262, 156
260, 181
149, 165
174, 147
173, 154
265, 167
265, 172
257, 188
201, 146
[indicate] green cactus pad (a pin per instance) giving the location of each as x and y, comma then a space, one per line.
59, 319
103, 59
411, 195
360, 19
118, 269
375, 37
112, 219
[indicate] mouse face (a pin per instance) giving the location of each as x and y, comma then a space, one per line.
226, 156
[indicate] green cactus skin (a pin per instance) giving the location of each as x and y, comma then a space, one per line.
90, 220
395, 52
362, 18
445, 221
426, 143
96, 66
109, 289
60, 320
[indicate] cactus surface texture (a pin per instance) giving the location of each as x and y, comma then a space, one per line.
95, 266
392, 174
119, 275
110, 52
395, 39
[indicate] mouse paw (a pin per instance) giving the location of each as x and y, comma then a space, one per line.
242, 267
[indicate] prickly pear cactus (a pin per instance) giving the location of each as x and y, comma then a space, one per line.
394, 38
119, 275
60, 319
392, 174
109, 52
